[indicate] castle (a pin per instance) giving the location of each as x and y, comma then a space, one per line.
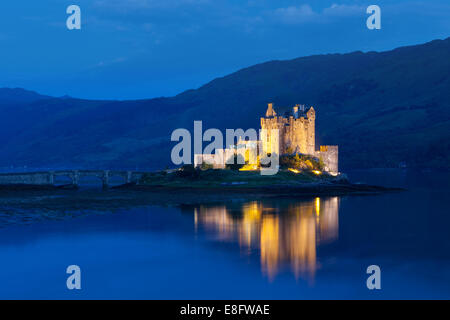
295, 132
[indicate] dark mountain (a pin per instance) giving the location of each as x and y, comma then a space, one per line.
381, 108
18, 95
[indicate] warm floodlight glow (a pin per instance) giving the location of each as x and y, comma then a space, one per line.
294, 170
248, 167
317, 172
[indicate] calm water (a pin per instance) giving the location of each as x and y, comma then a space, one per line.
290, 249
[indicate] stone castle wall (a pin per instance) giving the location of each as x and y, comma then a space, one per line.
330, 157
295, 133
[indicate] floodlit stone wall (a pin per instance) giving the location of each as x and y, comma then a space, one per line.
296, 133
330, 157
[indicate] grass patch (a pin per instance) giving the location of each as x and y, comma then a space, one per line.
219, 178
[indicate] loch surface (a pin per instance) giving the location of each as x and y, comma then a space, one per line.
243, 249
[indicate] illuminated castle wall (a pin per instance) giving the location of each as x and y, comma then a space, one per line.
296, 134
296, 131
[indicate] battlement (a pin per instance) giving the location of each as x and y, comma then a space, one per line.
328, 148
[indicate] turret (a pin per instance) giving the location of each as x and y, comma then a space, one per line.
270, 112
311, 113
295, 111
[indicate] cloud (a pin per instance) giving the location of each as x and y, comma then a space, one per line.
304, 13
343, 10
168, 19
134, 5
294, 15
111, 62
152, 16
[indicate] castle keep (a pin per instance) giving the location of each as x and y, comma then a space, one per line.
296, 131
296, 134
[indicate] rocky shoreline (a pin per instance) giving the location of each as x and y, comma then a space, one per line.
307, 189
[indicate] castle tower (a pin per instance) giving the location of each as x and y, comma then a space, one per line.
311, 131
296, 132
270, 141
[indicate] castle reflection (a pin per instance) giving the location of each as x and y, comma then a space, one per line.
283, 234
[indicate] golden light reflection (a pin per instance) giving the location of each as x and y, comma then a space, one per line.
282, 235
317, 206
269, 244
294, 170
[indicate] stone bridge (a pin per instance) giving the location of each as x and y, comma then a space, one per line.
49, 177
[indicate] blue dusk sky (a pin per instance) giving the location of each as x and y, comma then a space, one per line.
131, 49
